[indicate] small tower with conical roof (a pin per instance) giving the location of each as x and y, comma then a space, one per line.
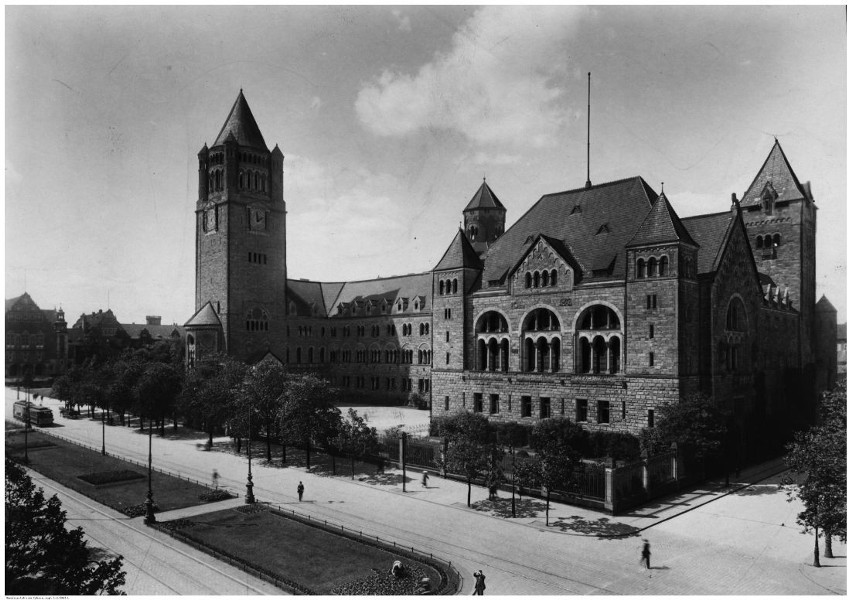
241, 264
484, 218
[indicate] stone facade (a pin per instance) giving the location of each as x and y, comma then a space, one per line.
600, 304
36, 339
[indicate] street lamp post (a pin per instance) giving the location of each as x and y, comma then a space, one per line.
249, 484
149, 501
103, 432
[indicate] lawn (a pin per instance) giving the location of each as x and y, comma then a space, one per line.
307, 558
121, 485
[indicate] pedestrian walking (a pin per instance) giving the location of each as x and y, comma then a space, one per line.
425, 478
215, 479
300, 490
479, 587
646, 554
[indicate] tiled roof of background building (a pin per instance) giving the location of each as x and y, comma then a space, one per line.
594, 223
242, 125
708, 231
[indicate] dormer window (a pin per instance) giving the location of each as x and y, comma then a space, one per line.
603, 229
576, 209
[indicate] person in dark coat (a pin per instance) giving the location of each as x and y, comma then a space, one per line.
301, 490
646, 554
479, 587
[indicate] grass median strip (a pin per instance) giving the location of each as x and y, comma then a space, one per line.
116, 483
307, 558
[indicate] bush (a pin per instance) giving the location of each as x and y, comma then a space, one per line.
214, 495
417, 400
621, 446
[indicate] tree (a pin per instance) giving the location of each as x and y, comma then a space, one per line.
552, 439
210, 391
467, 445
695, 422
42, 556
816, 460
157, 390
494, 475
309, 414
263, 390
356, 438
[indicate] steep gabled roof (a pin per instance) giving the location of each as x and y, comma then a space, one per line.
484, 198
460, 254
661, 225
708, 231
777, 171
388, 288
241, 125
595, 223
206, 316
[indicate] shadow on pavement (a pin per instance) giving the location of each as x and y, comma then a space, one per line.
388, 479
759, 490
502, 507
602, 527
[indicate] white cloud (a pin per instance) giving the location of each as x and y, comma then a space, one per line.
316, 103
403, 20
503, 80
480, 158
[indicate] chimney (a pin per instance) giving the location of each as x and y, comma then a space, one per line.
153, 320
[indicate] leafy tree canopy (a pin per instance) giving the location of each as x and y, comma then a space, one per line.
42, 556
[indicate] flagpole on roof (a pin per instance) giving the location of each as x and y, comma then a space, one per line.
588, 130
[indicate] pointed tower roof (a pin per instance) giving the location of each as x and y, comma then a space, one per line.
460, 254
776, 170
824, 305
205, 317
661, 225
484, 198
241, 125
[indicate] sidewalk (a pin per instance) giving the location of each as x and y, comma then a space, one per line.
580, 552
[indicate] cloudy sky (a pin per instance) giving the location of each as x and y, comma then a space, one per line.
389, 118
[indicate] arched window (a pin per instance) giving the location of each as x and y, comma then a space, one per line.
542, 342
640, 268
492, 343
776, 239
759, 242
441, 288
528, 280
598, 345
664, 266
257, 320
455, 286
553, 277
536, 279
735, 320
652, 267
545, 279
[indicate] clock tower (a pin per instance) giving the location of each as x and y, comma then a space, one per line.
240, 245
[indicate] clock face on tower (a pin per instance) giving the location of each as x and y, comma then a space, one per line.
257, 219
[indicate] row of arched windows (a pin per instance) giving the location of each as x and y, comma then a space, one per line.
540, 279
373, 356
448, 286
257, 320
251, 158
768, 241
652, 267
216, 180
598, 342
252, 180
25, 339
216, 158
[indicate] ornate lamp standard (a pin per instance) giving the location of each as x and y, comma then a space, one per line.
103, 432
149, 501
249, 484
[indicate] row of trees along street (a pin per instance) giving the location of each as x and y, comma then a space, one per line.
219, 394
817, 471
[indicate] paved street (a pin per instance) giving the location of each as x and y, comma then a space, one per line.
703, 542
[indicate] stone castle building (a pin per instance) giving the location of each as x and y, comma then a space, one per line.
36, 339
599, 304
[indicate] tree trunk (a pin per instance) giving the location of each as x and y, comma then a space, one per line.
283, 452
163, 425
174, 419
468, 493
268, 443
828, 553
239, 444
547, 509
333, 465
308, 455
816, 547
352, 458
210, 438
